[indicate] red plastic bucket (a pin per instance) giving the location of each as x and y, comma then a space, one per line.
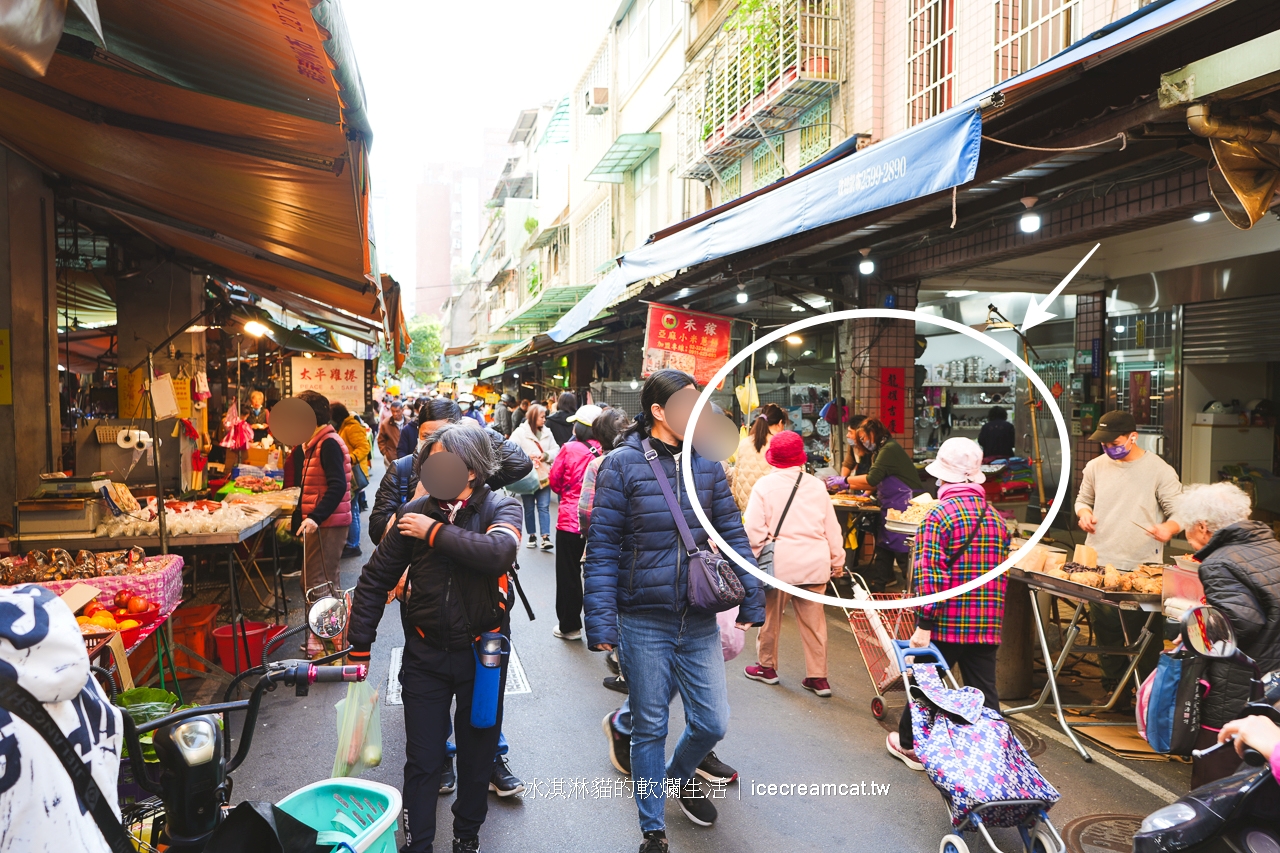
254, 633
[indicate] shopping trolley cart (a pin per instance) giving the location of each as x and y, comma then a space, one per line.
874, 631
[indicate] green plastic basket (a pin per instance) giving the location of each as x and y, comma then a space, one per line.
349, 814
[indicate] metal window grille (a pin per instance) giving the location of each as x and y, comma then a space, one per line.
766, 162
815, 132
1030, 31
591, 245
1152, 330
931, 58
730, 182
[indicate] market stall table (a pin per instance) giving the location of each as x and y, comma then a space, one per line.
1081, 596
252, 536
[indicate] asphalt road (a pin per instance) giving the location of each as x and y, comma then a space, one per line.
779, 735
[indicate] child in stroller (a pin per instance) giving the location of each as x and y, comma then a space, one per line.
974, 759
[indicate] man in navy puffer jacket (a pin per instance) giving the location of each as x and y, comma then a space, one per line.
636, 597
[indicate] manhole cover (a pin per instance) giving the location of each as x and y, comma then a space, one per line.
1032, 742
1101, 833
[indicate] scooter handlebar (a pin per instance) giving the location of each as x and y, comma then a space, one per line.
1251, 756
329, 674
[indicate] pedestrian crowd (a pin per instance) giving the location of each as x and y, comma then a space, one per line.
467, 483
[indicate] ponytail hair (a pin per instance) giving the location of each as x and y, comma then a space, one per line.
657, 390
771, 415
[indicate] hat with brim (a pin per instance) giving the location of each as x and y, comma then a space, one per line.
1112, 425
959, 461
586, 414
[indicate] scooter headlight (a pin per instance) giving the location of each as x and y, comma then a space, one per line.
195, 740
1168, 817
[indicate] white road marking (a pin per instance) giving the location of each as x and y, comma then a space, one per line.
517, 680
1101, 760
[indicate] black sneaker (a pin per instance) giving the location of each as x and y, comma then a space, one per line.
654, 842
714, 770
350, 551
611, 661
546, 542
695, 805
449, 778
619, 746
617, 683
503, 782
466, 845
533, 540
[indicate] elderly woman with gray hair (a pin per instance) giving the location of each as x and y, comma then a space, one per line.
1240, 571
457, 544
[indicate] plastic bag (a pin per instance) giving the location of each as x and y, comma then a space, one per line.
359, 731
732, 638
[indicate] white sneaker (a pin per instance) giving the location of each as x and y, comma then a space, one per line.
566, 635
533, 542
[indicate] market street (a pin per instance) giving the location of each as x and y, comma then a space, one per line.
779, 735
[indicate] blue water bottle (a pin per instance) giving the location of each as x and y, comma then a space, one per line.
491, 648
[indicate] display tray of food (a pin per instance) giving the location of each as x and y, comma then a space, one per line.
1082, 577
157, 580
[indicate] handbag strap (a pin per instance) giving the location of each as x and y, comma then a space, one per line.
651, 456
777, 530
15, 699
968, 540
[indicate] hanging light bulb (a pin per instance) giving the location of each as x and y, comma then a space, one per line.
866, 266
771, 357
254, 328
742, 299
634, 384
1029, 223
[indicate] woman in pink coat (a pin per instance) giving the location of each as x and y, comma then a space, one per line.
566, 481
808, 552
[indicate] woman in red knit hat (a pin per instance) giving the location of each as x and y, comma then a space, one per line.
792, 509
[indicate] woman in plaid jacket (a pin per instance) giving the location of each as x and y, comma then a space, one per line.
962, 538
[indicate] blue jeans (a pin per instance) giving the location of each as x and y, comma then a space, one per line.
542, 498
353, 532
666, 652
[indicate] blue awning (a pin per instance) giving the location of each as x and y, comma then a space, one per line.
936, 155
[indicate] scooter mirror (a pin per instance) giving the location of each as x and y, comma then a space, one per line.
1207, 631
327, 618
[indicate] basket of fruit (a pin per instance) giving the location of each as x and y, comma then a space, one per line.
129, 615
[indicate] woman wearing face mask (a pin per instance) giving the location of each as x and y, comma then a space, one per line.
962, 538
856, 459
894, 479
750, 464
636, 577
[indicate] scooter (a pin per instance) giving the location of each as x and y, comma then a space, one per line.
1238, 814
193, 784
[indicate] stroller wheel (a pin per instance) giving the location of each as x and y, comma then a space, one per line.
877, 708
953, 844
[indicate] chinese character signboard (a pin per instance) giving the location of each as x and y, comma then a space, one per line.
343, 380
892, 398
691, 341
1140, 396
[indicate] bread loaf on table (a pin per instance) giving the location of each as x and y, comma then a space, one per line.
1054, 561
1085, 556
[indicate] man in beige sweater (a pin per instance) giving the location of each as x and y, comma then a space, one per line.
1123, 490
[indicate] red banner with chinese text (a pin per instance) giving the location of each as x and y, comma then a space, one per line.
691, 341
892, 398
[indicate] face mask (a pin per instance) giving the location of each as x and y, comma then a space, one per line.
466, 407
1116, 452
852, 442
869, 445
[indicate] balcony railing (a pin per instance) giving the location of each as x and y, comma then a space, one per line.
772, 60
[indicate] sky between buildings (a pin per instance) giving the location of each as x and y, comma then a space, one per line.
437, 73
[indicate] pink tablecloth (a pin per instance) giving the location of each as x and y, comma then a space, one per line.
162, 584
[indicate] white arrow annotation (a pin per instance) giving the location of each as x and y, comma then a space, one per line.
1036, 314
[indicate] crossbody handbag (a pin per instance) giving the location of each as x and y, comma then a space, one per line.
541, 467
713, 585
764, 560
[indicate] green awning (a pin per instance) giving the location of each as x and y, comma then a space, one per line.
626, 152
492, 370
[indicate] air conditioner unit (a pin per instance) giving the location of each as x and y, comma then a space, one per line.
597, 100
